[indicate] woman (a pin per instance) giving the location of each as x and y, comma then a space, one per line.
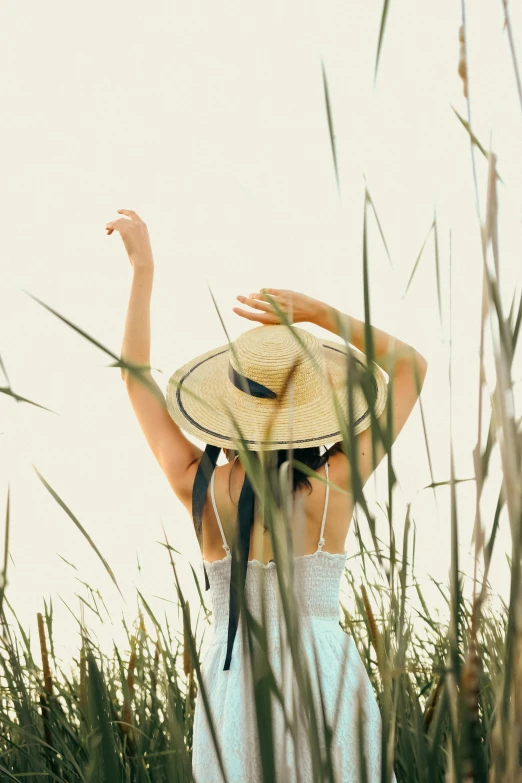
244, 391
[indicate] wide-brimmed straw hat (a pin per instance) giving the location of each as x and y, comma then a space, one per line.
274, 387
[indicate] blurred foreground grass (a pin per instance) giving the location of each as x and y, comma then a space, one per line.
128, 715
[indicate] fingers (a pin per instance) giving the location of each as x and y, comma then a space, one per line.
262, 295
264, 318
262, 302
257, 304
130, 213
114, 225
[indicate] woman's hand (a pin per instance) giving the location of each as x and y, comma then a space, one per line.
135, 237
296, 307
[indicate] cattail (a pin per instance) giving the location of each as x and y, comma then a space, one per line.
469, 681
374, 631
48, 690
192, 687
463, 72
470, 694
48, 680
132, 666
432, 703
187, 658
154, 672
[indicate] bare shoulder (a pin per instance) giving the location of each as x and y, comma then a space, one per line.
339, 466
340, 462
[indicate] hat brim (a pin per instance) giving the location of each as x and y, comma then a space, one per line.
201, 399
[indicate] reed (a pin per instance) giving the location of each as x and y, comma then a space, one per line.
82, 735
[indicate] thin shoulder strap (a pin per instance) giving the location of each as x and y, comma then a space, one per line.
216, 512
321, 537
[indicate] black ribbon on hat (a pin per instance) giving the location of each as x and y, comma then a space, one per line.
249, 386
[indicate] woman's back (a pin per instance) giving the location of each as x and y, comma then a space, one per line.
308, 512
338, 678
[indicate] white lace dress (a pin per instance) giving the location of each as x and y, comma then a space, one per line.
343, 678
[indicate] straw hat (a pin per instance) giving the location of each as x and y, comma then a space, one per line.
274, 386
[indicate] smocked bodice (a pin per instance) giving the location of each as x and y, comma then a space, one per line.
317, 579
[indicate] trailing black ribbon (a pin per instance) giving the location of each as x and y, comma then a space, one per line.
245, 516
249, 386
238, 570
204, 472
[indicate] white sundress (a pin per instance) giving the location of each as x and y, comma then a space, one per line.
317, 580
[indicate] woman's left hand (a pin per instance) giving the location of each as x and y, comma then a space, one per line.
135, 236
269, 302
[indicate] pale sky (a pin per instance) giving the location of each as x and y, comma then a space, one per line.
209, 120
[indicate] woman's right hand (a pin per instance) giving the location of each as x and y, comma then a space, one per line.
135, 236
297, 307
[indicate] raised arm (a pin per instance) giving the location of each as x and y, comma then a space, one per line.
397, 358
176, 455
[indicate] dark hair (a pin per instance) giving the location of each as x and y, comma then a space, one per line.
311, 457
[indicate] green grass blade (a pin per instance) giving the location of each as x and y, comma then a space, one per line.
330, 125
78, 525
384, 17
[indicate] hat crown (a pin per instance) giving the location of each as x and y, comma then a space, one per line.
241, 390
269, 353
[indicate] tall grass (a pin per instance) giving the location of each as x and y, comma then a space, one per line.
449, 686
128, 715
